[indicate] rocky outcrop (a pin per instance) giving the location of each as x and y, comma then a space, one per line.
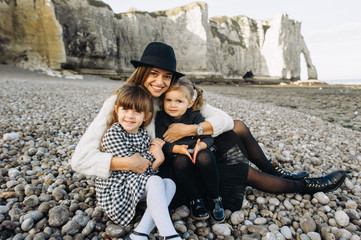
30, 35
96, 40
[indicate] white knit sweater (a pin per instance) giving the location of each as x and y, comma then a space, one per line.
89, 160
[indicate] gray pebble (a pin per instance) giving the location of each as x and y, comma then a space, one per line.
39, 236
350, 204
115, 231
221, 230
260, 221
31, 201
35, 215
355, 237
58, 193
314, 236
70, 228
58, 215
180, 227
237, 217
31, 189
13, 173
27, 224
286, 232
304, 237
88, 228
269, 236
274, 201
328, 236
342, 218
183, 211
10, 136
81, 219
322, 198
4, 209
308, 224
257, 229
32, 151
288, 205
253, 236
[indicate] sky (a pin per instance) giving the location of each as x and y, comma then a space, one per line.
331, 28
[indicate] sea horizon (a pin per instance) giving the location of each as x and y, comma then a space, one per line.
343, 81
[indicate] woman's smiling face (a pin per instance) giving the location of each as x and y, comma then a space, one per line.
158, 81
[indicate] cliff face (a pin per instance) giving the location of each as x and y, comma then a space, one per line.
95, 40
30, 35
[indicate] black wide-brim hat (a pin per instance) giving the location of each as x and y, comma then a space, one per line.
161, 55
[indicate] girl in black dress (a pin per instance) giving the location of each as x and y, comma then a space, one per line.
190, 156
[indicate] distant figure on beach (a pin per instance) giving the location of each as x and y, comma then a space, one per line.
125, 136
182, 103
234, 143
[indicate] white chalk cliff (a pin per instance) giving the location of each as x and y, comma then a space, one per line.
88, 36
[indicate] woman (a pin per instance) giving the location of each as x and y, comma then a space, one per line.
156, 71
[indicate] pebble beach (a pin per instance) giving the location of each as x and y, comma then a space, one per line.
316, 129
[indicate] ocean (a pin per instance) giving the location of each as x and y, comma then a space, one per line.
343, 82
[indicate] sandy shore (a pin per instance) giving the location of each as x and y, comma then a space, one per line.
41, 197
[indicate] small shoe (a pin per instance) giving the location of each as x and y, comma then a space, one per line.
127, 237
169, 237
327, 183
217, 212
198, 209
288, 175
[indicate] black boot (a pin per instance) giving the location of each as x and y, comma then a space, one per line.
198, 209
288, 175
217, 212
327, 183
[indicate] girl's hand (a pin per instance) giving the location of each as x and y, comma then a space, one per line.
182, 149
196, 149
157, 152
156, 149
158, 142
139, 164
177, 131
199, 146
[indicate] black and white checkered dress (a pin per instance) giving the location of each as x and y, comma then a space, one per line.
120, 193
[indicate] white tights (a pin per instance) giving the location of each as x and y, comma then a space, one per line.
159, 193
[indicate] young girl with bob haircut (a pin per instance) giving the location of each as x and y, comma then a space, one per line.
119, 194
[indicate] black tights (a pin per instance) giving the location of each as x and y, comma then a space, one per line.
187, 174
265, 180
251, 148
272, 184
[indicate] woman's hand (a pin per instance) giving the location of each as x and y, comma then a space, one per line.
139, 164
177, 131
135, 163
